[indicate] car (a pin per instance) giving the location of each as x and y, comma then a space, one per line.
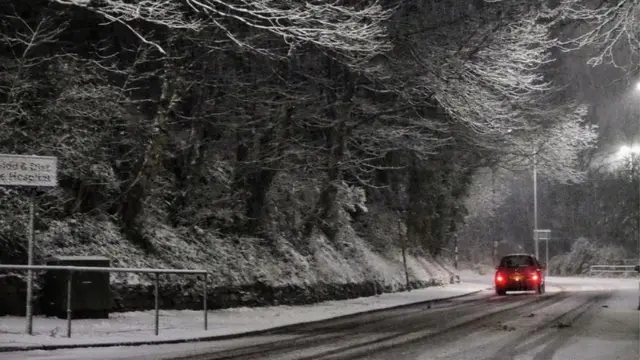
519, 272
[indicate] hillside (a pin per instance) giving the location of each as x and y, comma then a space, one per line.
245, 270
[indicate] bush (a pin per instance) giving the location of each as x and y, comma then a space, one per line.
583, 255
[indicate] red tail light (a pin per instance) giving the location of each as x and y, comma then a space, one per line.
499, 278
535, 277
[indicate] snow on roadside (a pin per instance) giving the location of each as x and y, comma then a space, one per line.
575, 283
138, 326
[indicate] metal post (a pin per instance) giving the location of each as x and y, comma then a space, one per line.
535, 207
455, 254
69, 285
403, 242
637, 173
546, 258
406, 271
494, 250
29, 308
205, 288
155, 295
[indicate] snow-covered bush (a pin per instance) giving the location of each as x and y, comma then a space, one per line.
584, 254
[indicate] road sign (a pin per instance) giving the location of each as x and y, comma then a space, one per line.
542, 234
31, 171
27, 170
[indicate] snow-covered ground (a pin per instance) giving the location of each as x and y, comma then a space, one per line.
135, 327
574, 283
612, 333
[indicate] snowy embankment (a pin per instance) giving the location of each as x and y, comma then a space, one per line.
237, 261
132, 327
243, 271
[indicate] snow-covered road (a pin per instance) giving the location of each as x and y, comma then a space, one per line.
587, 325
589, 319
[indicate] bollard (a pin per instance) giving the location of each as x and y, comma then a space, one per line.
69, 285
155, 295
205, 287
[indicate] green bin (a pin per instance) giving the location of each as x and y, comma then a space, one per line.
90, 291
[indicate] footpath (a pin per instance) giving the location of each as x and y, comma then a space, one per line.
179, 326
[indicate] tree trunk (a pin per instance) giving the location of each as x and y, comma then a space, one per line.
138, 188
327, 214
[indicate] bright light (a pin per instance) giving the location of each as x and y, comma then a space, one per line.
626, 151
638, 86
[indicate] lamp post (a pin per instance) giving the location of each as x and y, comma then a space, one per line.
535, 207
635, 152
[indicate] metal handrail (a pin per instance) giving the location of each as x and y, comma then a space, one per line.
614, 269
71, 269
101, 269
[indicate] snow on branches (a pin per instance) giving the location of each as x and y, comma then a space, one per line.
485, 65
613, 28
490, 84
557, 155
344, 29
160, 12
352, 31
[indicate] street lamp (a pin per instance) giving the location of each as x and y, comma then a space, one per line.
535, 207
626, 151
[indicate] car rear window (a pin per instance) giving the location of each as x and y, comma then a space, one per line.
516, 261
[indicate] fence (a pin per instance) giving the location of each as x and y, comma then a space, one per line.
71, 269
611, 269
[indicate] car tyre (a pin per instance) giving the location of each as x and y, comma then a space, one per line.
540, 289
501, 292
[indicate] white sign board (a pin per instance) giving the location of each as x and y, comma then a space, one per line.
544, 234
27, 170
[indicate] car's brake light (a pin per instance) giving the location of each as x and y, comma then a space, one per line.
534, 277
499, 278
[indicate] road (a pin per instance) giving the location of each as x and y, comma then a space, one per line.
570, 324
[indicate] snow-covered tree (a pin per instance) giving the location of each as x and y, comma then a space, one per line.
610, 27
352, 31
